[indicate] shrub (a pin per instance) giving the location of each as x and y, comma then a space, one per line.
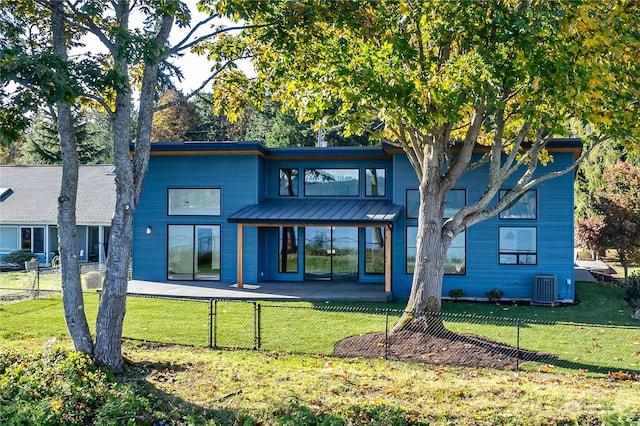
65, 387
93, 280
494, 294
18, 257
456, 293
632, 291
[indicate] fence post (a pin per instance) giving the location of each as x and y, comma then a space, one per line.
386, 334
210, 343
215, 324
518, 347
257, 316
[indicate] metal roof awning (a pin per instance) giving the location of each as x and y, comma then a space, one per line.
315, 212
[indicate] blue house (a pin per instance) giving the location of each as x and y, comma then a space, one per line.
239, 212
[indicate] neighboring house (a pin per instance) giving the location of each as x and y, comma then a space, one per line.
238, 212
29, 210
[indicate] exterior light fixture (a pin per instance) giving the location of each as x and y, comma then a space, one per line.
149, 229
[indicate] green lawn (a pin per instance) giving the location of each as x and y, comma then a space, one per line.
307, 328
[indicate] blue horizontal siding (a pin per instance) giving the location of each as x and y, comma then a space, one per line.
249, 179
236, 176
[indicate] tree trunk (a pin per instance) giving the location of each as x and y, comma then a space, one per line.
72, 298
130, 175
112, 308
424, 302
425, 299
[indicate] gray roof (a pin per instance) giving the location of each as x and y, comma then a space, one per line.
318, 211
36, 189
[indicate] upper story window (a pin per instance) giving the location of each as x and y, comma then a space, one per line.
331, 182
454, 201
525, 207
375, 182
194, 201
288, 183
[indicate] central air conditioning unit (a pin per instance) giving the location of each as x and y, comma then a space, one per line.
545, 290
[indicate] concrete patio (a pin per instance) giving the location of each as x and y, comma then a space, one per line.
285, 291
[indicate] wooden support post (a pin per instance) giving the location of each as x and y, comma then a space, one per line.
387, 258
240, 255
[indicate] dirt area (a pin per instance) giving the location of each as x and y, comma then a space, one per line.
445, 348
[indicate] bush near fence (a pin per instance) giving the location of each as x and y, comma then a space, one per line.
463, 340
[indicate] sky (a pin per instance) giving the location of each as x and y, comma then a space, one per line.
194, 68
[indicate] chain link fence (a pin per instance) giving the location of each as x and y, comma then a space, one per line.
356, 332
359, 332
43, 281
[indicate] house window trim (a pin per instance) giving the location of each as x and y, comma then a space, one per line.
518, 254
296, 188
278, 247
406, 253
500, 215
169, 213
381, 194
384, 252
32, 240
406, 202
193, 273
331, 195
406, 250
411, 190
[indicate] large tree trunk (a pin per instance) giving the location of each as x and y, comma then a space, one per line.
72, 298
112, 308
130, 175
424, 302
425, 299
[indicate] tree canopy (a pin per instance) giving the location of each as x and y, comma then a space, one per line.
45, 63
439, 78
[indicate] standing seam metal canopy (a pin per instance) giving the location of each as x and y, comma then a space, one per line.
320, 211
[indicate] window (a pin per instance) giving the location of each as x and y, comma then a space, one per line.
525, 207
412, 236
455, 261
454, 201
193, 252
374, 251
455, 258
32, 239
8, 238
194, 202
331, 182
375, 182
412, 204
288, 249
517, 245
288, 183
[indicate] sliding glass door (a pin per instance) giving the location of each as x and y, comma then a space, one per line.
194, 252
331, 253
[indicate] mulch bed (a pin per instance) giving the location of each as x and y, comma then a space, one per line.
446, 348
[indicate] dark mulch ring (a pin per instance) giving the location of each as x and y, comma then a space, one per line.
446, 348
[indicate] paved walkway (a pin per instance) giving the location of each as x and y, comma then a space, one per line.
302, 291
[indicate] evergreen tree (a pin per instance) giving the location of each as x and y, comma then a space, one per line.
91, 132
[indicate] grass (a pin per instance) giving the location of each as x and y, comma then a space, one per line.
273, 388
201, 386
179, 386
307, 328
